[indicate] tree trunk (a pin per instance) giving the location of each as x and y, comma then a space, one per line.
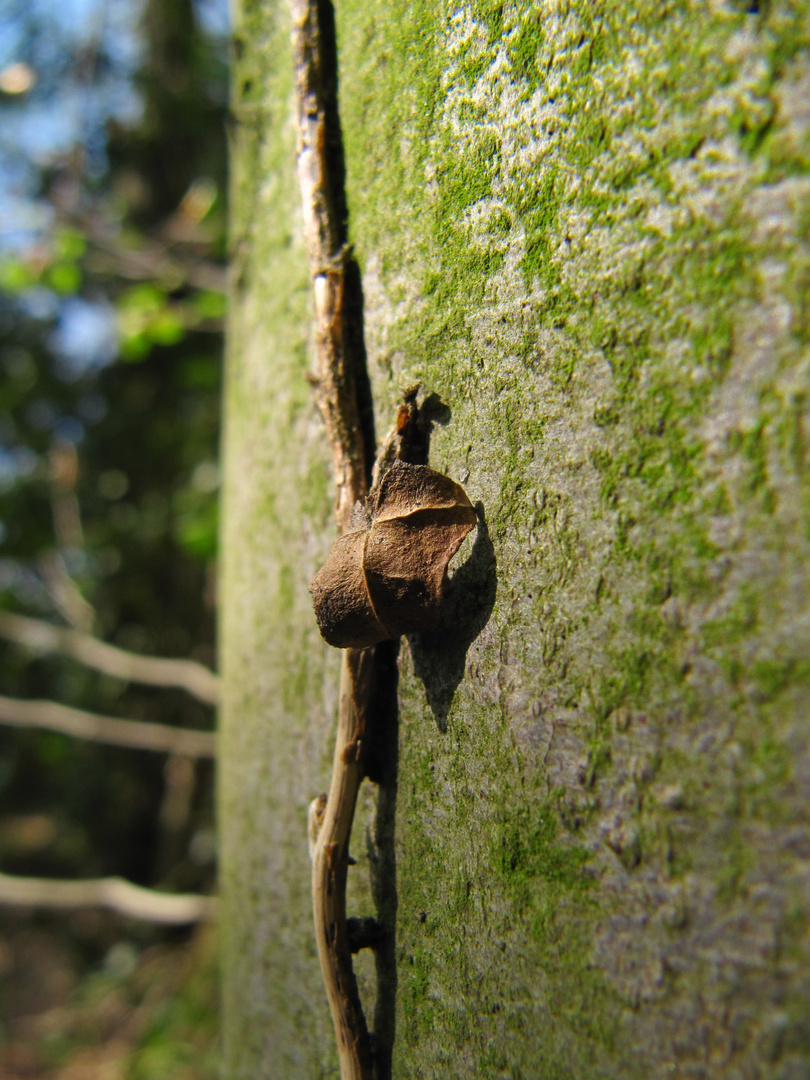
585, 228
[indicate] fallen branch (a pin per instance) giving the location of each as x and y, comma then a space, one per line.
112, 892
44, 637
137, 734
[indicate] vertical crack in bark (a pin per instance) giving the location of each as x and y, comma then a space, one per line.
382, 768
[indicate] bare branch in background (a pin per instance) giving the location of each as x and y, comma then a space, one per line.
154, 262
175, 810
67, 521
173, 259
43, 637
136, 734
113, 893
67, 527
65, 593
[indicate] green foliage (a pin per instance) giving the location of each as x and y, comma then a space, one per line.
181, 1038
146, 319
140, 1010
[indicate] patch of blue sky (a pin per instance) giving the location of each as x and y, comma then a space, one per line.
68, 429
44, 130
22, 219
40, 303
84, 55
26, 584
15, 464
213, 17
77, 22
86, 336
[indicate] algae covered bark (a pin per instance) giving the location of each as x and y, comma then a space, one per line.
278, 692
586, 228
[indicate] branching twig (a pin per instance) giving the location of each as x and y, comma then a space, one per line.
337, 399
113, 892
44, 637
136, 734
64, 592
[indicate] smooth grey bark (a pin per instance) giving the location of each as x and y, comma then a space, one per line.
585, 228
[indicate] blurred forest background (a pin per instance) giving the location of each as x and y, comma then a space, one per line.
112, 291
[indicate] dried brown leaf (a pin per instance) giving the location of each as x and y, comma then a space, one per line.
385, 579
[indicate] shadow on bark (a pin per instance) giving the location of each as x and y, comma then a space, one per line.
352, 313
383, 743
382, 767
440, 657
382, 746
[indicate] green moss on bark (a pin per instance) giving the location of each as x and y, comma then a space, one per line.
562, 222
586, 228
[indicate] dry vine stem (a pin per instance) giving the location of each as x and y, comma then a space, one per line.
337, 400
416, 521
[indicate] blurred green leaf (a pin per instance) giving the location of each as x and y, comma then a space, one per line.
196, 526
210, 305
166, 328
146, 318
69, 244
64, 278
16, 276
200, 373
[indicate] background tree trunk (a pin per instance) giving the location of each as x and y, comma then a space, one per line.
585, 227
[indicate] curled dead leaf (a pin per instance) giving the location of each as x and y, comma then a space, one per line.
385, 577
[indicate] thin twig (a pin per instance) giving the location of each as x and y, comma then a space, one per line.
330, 865
136, 734
44, 637
328, 255
112, 892
64, 592
337, 399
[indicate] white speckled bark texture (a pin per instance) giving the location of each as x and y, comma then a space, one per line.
584, 226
